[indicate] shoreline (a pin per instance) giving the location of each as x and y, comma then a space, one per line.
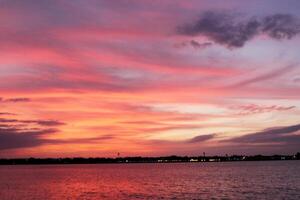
129, 160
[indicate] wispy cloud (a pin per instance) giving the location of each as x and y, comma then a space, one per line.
263, 77
193, 43
255, 109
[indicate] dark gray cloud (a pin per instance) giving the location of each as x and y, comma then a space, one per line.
225, 29
17, 133
201, 138
283, 135
12, 138
280, 26
15, 138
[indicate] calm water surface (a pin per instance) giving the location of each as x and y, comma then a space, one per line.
232, 180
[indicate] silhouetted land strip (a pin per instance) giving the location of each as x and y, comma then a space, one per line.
167, 159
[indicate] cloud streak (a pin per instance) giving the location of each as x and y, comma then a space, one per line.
37, 122
201, 138
6, 113
14, 100
194, 140
255, 109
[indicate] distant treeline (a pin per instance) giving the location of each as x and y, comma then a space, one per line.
166, 159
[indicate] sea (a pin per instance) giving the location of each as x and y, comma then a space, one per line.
211, 180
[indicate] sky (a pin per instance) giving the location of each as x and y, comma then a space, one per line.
93, 78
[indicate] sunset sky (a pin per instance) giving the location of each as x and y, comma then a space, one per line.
93, 78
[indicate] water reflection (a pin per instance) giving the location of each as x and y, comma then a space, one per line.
237, 180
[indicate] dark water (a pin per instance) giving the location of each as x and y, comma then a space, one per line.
234, 180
